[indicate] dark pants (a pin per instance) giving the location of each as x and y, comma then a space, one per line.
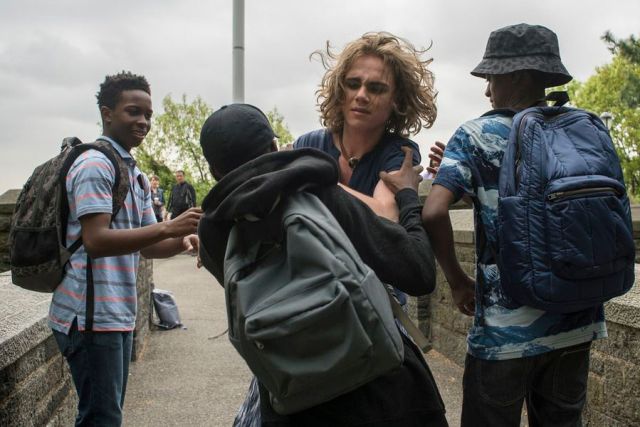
554, 385
99, 364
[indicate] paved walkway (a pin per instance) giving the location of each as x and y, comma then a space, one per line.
188, 377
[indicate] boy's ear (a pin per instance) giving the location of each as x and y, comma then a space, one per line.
105, 113
274, 145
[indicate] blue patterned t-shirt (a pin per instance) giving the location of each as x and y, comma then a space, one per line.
502, 329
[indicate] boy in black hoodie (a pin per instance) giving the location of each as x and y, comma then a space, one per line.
239, 145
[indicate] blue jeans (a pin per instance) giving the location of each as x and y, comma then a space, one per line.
554, 385
99, 363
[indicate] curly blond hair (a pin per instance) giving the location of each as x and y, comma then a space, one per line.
414, 96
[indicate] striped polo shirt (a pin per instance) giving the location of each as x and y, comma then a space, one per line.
89, 190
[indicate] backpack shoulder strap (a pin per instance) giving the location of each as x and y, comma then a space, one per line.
121, 184
119, 189
414, 332
500, 112
559, 98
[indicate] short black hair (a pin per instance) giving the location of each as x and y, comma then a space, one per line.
113, 86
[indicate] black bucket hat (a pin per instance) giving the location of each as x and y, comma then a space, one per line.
235, 134
524, 47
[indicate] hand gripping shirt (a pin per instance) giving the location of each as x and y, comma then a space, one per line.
386, 156
502, 328
89, 186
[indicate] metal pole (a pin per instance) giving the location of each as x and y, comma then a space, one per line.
238, 50
607, 117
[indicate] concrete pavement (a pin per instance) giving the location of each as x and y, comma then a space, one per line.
186, 377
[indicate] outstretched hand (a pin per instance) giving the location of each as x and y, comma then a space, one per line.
436, 154
408, 176
191, 243
185, 224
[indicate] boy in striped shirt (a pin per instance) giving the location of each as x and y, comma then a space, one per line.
97, 345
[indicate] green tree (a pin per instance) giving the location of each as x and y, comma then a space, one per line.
615, 88
280, 127
629, 48
174, 143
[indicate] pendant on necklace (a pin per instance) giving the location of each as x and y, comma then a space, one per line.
353, 162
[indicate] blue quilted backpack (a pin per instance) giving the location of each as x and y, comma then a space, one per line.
564, 221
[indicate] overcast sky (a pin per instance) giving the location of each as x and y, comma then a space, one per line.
54, 55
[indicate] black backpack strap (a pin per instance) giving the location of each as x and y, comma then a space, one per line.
121, 184
71, 143
501, 112
141, 183
559, 98
75, 245
90, 298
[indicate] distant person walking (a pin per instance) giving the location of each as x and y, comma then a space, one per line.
157, 198
183, 196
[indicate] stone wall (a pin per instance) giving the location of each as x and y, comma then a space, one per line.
7, 204
36, 387
144, 283
35, 383
635, 216
614, 379
614, 376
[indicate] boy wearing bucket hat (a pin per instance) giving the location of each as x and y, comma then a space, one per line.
515, 352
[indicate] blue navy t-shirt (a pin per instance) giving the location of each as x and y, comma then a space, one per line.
386, 156
502, 328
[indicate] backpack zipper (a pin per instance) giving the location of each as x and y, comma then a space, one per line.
559, 195
519, 138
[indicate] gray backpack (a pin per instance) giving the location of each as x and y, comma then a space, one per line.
166, 309
309, 317
37, 251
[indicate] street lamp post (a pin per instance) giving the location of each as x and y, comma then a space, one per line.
238, 51
606, 117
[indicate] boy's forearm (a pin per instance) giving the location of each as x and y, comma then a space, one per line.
165, 248
440, 233
100, 240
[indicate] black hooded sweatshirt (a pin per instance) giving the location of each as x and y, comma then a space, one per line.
400, 254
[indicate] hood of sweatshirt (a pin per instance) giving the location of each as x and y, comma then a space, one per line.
252, 190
